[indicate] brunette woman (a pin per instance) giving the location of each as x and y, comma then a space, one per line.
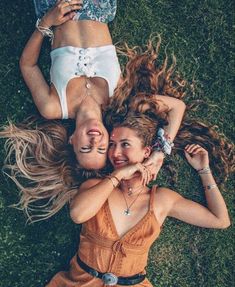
121, 216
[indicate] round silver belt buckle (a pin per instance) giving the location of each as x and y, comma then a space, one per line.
110, 279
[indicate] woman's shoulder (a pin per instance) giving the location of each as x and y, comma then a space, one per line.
166, 196
164, 200
163, 191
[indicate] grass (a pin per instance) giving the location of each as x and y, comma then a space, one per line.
200, 34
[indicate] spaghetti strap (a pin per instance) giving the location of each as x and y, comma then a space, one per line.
151, 202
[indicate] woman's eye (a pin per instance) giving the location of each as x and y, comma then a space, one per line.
85, 149
125, 144
111, 144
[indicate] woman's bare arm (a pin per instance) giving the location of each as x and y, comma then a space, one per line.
47, 105
33, 76
176, 110
215, 215
90, 197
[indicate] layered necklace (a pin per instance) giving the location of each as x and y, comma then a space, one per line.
138, 190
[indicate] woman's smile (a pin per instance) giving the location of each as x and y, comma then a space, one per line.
119, 162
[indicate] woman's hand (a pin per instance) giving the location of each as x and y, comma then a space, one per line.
154, 162
63, 11
197, 156
129, 171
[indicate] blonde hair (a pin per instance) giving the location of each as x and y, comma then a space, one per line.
43, 166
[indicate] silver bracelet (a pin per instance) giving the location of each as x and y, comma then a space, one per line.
210, 186
205, 170
44, 30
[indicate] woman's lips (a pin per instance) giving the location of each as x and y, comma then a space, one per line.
119, 162
94, 132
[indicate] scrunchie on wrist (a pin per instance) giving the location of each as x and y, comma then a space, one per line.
163, 143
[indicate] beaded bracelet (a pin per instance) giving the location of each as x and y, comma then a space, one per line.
46, 31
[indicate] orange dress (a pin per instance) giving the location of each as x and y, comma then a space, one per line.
104, 250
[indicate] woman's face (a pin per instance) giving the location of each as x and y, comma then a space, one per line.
125, 147
90, 144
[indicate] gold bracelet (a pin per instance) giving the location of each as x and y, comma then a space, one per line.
111, 178
116, 179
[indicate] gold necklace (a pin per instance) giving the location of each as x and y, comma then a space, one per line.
127, 211
130, 190
88, 86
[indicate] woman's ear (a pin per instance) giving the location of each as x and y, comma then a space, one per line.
71, 139
147, 152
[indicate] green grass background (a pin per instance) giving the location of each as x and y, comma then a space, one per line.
200, 35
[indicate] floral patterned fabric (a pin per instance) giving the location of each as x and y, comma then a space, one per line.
96, 10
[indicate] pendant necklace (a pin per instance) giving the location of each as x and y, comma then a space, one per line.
87, 90
127, 211
130, 190
88, 86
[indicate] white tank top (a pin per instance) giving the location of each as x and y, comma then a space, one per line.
71, 62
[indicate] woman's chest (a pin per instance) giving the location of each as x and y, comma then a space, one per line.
128, 213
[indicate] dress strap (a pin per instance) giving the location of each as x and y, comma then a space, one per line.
152, 196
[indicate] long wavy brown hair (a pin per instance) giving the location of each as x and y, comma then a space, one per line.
144, 77
42, 164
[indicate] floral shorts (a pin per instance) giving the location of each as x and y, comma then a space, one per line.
96, 10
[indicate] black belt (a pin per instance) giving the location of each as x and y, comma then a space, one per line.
111, 279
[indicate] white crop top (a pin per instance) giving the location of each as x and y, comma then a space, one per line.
71, 62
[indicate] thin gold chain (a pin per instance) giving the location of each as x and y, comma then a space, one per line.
128, 207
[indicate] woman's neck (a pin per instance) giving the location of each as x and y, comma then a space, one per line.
133, 186
87, 112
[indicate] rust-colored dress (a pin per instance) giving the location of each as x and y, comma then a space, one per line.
104, 250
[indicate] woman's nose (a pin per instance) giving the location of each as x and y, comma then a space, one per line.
94, 140
116, 151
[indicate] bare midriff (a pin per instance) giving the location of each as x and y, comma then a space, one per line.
82, 33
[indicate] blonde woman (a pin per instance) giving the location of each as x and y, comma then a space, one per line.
84, 71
